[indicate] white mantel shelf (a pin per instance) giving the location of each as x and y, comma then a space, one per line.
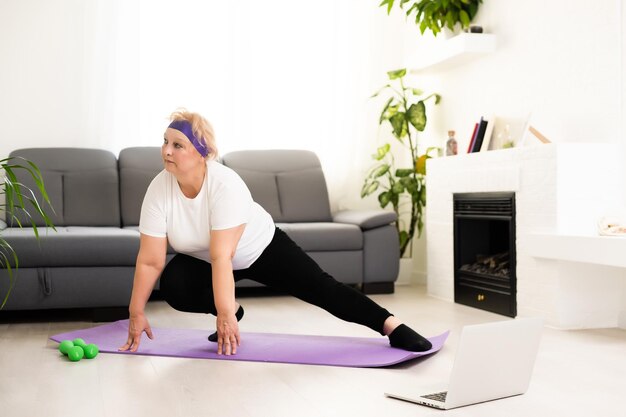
598, 250
453, 52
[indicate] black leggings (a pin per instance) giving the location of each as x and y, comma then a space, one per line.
186, 283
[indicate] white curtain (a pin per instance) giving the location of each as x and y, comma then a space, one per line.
283, 74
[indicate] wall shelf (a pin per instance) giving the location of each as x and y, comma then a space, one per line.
599, 250
453, 52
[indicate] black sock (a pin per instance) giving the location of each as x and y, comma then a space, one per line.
238, 314
403, 337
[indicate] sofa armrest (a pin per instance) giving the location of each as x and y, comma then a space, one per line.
365, 219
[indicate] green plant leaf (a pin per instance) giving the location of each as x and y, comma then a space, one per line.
432, 149
403, 172
19, 198
417, 91
380, 91
398, 123
388, 111
465, 19
396, 74
434, 15
6, 264
395, 198
12, 187
411, 186
380, 171
384, 198
472, 9
36, 174
450, 19
411, 9
435, 28
389, 4
381, 152
398, 188
369, 188
417, 115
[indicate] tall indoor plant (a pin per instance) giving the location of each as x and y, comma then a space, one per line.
434, 15
405, 112
19, 199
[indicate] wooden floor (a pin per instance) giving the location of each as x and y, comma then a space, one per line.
578, 373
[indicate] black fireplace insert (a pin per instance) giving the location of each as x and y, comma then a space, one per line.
484, 251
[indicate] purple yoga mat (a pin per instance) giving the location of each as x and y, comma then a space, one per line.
258, 347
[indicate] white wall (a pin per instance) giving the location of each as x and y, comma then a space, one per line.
286, 74
559, 60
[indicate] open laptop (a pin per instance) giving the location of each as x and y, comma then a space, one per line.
493, 361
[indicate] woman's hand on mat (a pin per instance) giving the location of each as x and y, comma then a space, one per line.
137, 324
227, 334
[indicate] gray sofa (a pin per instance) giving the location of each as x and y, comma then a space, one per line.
89, 261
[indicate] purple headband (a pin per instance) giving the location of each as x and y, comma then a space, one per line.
184, 127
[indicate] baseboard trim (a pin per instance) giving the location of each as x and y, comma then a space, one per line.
377, 288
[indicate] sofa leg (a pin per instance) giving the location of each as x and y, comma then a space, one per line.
101, 314
377, 288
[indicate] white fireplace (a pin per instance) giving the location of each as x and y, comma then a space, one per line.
565, 272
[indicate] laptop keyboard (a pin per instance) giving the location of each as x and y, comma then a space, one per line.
439, 396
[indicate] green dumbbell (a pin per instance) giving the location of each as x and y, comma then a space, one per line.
77, 349
75, 353
91, 351
79, 342
65, 346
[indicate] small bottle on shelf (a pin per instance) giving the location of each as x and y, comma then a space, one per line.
451, 145
505, 140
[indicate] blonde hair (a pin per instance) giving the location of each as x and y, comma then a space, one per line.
201, 128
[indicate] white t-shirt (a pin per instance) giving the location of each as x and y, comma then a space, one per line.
223, 202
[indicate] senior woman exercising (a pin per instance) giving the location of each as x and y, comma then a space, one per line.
206, 213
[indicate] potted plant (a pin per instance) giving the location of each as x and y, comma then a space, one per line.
434, 15
19, 199
405, 112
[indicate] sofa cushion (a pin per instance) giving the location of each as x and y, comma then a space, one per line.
74, 246
289, 184
138, 166
303, 196
324, 236
82, 185
366, 219
264, 190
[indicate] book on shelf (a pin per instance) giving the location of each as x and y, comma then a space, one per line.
491, 122
480, 135
472, 139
